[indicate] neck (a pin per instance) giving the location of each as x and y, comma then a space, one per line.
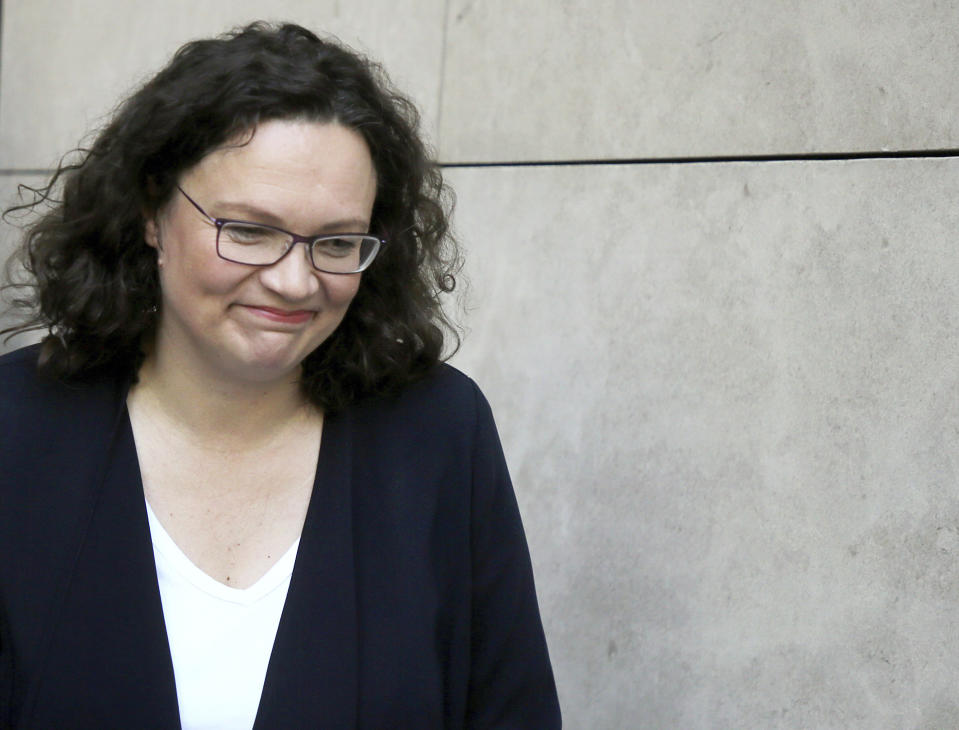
215, 409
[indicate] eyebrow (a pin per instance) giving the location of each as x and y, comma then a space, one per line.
251, 213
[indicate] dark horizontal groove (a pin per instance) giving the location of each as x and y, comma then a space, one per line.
804, 157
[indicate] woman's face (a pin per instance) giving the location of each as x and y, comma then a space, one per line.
249, 323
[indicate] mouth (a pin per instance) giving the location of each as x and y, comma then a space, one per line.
285, 316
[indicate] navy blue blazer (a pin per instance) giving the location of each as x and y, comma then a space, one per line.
411, 604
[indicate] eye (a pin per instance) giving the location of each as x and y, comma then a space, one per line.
337, 246
250, 234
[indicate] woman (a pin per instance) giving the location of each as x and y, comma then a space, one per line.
238, 489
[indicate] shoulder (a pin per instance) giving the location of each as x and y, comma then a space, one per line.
34, 407
21, 384
21, 379
445, 398
19, 364
440, 417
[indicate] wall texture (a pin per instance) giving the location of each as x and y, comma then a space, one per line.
727, 390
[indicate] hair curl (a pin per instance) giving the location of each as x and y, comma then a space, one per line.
93, 282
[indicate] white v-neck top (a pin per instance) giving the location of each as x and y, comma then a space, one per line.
220, 637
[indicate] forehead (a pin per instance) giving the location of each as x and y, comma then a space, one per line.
292, 167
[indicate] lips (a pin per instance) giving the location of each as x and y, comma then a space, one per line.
286, 316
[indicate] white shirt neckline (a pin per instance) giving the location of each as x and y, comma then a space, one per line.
221, 638
278, 574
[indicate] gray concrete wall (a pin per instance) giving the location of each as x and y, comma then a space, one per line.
727, 390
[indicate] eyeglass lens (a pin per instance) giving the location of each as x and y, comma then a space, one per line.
247, 243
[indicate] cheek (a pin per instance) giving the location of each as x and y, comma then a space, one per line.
193, 271
342, 289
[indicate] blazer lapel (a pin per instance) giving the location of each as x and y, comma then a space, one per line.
312, 676
109, 665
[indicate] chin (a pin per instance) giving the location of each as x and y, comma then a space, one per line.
263, 367
272, 356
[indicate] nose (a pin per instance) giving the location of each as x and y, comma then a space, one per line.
293, 276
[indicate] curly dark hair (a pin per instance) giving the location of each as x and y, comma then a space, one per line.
93, 283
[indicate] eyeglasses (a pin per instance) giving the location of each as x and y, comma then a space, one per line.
257, 244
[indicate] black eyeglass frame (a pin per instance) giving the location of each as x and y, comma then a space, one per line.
310, 241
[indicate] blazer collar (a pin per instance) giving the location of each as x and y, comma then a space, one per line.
109, 661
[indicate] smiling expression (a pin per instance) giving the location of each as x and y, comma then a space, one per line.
258, 323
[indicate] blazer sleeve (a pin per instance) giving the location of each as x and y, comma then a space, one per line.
511, 680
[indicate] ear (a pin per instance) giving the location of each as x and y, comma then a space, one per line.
151, 232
